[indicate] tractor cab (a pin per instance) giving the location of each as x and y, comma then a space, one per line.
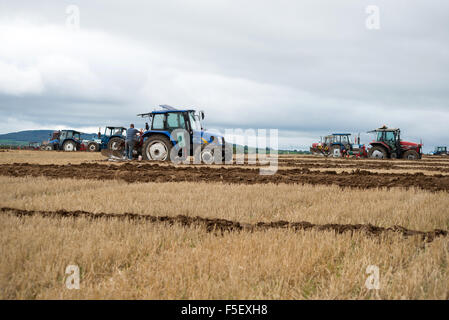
170, 119
388, 144
70, 135
115, 131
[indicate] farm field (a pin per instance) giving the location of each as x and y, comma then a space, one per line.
141, 230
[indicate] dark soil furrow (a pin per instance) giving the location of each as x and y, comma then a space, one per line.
222, 225
145, 172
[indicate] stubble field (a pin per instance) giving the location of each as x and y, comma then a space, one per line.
145, 230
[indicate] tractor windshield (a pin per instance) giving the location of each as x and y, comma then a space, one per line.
387, 136
195, 121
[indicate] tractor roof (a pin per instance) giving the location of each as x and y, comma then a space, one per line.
384, 129
164, 109
109, 127
341, 134
170, 111
74, 131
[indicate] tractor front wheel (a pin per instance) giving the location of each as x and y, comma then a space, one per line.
93, 147
69, 146
411, 155
377, 153
157, 148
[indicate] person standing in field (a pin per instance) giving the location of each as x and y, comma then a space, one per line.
131, 139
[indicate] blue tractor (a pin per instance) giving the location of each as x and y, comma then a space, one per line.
112, 139
156, 142
66, 140
340, 145
440, 151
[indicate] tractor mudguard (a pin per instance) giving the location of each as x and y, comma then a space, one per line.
382, 144
150, 133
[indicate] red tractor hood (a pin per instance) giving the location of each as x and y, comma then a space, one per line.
408, 144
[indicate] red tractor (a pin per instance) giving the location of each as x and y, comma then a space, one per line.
388, 144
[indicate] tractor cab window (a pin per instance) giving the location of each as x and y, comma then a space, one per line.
158, 121
195, 121
389, 136
175, 120
344, 140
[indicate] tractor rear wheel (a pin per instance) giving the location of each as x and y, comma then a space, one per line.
116, 144
157, 148
377, 153
69, 146
93, 147
411, 155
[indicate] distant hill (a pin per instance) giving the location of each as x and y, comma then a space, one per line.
25, 137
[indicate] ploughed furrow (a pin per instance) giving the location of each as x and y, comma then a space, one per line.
145, 172
222, 225
380, 165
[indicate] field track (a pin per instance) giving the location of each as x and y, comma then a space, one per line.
142, 172
223, 225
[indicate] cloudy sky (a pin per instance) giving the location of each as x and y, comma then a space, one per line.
307, 68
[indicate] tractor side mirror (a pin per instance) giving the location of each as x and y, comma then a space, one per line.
202, 115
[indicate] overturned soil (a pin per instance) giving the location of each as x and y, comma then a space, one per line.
222, 225
378, 165
145, 172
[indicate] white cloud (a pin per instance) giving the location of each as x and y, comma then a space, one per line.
18, 81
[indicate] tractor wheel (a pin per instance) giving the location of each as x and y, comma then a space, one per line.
42, 147
93, 147
116, 144
411, 155
69, 146
335, 151
377, 153
207, 156
48, 147
157, 148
